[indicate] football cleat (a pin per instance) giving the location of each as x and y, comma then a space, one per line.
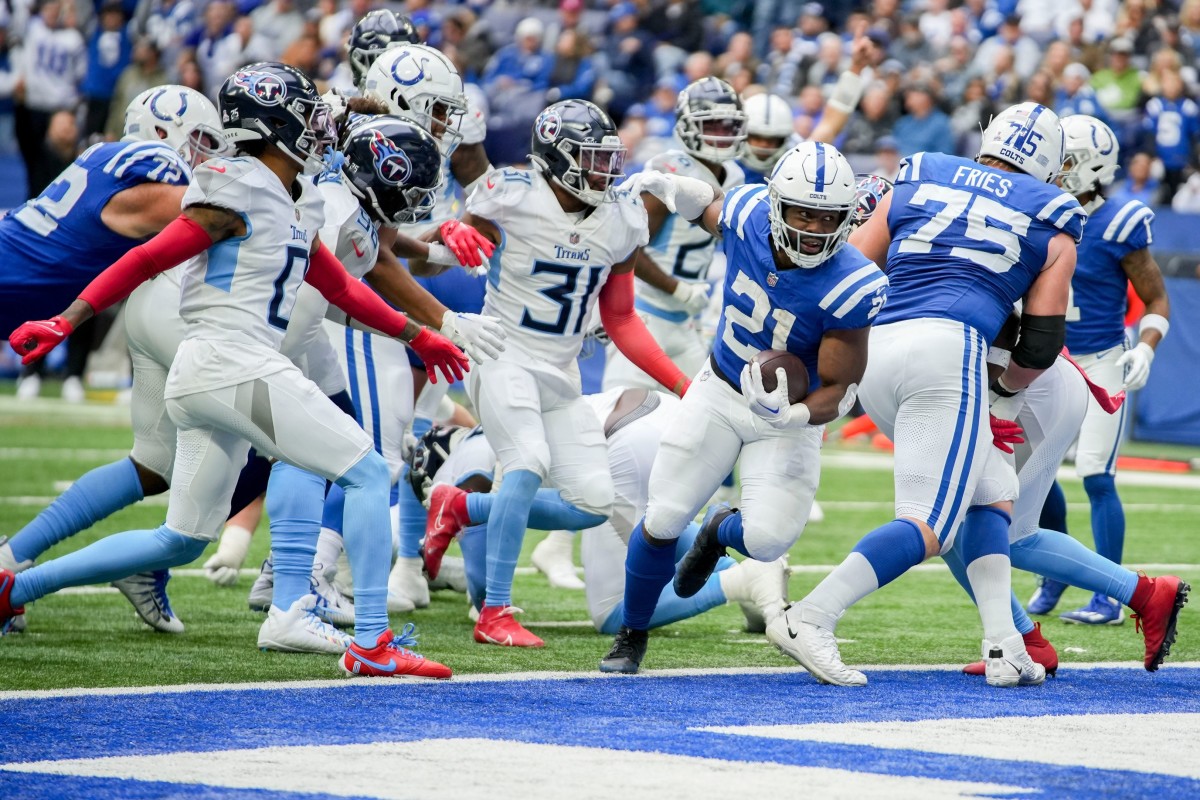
1038, 647
447, 516
1046, 596
301, 630
628, 650
264, 587
8, 561
498, 625
759, 588
701, 559
330, 605
1100, 610
805, 634
407, 587
147, 591
452, 576
1156, 603
9, 615
1007, 664
552, 558
392, 658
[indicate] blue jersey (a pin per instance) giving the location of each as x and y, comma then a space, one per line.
766, 308
54, 245
969, 240
1096, 316
1175, 126
752, 175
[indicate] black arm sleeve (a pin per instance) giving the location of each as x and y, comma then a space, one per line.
1040, 341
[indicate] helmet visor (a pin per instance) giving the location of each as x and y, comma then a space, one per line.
602, 164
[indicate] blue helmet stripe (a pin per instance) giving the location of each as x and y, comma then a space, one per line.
1029, 123
820, 179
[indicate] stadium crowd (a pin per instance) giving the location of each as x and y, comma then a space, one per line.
939, 69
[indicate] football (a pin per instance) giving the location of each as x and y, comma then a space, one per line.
793, 367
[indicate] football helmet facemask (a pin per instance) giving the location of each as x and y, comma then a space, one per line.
710, 120
818, 180
394, 168
378, 31
575, 144
419, 83
180, 117
277, 103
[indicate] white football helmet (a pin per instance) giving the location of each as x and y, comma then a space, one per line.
1091, 154
1027, 136
419, 83
768, 116
812, 176
182, 118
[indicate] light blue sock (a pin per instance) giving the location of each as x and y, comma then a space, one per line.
295, 502
958, 569
507, 531
1064, 559
367, 532
335, 506
1108, 516
412, 518
473, 542
547, 512
111, 558
730, 533
94, 496
892, 549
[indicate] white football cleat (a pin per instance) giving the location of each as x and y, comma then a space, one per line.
816, 513
147, 591
29, 387
552, 558
342, 580
407, 587
451, 576
473, 613
264, 587
8, 561
72, 390
300, 630
759, 588
806, 634
1008, 664
330, 606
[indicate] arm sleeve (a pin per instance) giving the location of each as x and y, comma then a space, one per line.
179, 241
330, 278
629, 333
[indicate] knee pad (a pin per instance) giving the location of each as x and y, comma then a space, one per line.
666, 519
370, 471
154, 455
535, 458
596, 497
766, 545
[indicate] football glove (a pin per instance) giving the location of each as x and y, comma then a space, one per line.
466, 243
1136, 363
1006, 433
438, 352
480, 337
694, 297
772, 406
222, 568
32, 340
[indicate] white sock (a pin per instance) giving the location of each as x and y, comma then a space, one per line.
990, 577
329, 547
850, 582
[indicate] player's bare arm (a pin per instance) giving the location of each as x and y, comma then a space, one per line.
1043, 318
456, 242
469, 163
846, 94
396, 285
873, 237
841, 362
645, 269
143, 210
1147, 280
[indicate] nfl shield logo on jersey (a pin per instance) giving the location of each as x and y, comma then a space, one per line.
574, 238
772, 279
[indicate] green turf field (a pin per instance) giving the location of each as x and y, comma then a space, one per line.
924, 618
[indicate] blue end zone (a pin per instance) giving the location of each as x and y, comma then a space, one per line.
594, 713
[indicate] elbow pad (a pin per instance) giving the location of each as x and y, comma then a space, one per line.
1040, 341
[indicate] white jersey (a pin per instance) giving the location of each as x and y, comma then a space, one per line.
681, 249
242, 290
545, 277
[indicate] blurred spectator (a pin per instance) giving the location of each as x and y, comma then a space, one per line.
190, 74
280, 24
336, 24
1040, 88
144, 73
698, 65
971, 115
520, 64
1117, 86
572, 15
679, 25
109, 52
629, 58
304, 51
779, 70
1189, 19
811, 25
1085, 49
1037, 19
873, 120
53, 62
937, 24
1187, 199
465, 42
1058, 55
56, 153
1172, 124
955, 67
887, 157
8, 81
769, 15
1139, 183
810, 108
1075, 95
572, 74
218, 24
1026, 53
738, 57
1136, 25
649, 127
1004, 85
171, 25
910, 47
924, 127
825, 70
1164, 61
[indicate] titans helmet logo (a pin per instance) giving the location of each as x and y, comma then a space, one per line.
391, 163
265, 87
548, 126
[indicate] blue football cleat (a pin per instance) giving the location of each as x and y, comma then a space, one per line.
1100, 610
1046, 596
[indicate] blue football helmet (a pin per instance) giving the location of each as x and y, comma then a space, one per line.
575, 145
276, 103
378, 31
394, 168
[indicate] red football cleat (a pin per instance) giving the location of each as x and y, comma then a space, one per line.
391, 658
498, 625
1157, 603
1038, 647
8, 614
447, 516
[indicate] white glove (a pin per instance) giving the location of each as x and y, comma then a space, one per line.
337, 104
479, 337
222, 568
687, 197
1136, 363
694, 296
772, 406
658, 184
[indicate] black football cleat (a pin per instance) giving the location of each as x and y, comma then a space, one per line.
699, 562
628, 650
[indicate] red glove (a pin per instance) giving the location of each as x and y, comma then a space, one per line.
1006, 433
32, 340
466, 242
439, 352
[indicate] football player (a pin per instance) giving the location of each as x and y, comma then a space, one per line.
228, 382
1114, 252
963, 240
793, 284
566, 237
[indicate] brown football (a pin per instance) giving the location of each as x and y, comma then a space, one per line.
793, 367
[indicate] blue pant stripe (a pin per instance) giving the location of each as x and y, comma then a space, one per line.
948, 469
352, 374
1111, 465
976, 344
373, 392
